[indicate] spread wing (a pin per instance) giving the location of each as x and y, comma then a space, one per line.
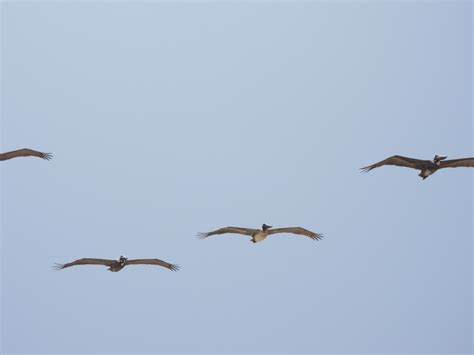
85, 261
236, 230
297, 230
158, 262
25, 153
397, 160
456, 163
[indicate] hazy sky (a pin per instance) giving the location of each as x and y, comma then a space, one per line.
172, 118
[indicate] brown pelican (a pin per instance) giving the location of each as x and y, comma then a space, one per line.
117, 265
25, 152
426, 167
260, 234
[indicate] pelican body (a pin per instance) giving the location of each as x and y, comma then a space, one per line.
429, 167
426, 167
257, 235
260, 235
117, 265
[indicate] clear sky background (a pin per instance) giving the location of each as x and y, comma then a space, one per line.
168, 119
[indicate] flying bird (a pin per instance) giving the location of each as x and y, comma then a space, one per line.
25, 152
117, 265
261, 234
426, 167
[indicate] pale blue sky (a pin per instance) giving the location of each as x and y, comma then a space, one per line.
168, 119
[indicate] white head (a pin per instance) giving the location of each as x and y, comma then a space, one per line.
437, 158
122, 259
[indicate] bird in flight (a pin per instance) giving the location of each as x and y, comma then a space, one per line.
117, 265
258, 235
25, 152
426, 167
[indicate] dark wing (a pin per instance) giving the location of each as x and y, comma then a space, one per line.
297, 230
456, 163
397, 160
25, 153
158, 262
85, 261
236, 230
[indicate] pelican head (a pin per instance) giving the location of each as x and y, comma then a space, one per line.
437, 158
265, 227
122, 259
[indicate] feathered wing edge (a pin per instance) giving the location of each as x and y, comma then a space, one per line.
47, 156
58, 266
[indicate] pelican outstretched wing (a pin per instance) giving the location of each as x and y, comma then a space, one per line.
457, 163
158, 262
297, 230
397, 160
235, 230
85, 261
25, 153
